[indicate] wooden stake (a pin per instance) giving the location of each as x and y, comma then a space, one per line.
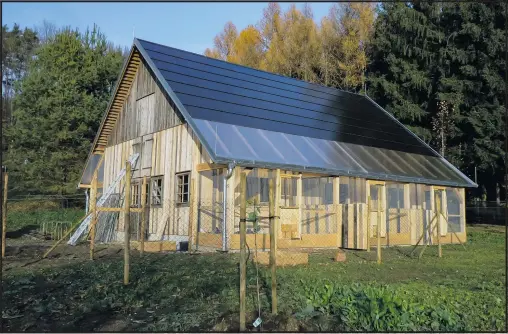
369, 205
273, 249
93, 207
423, 234
438, 208
243, 264
379, 226
143, 216
127, 223
191, 214
4, 212
65, 235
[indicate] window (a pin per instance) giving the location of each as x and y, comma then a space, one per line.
453, 203
289, 192
156, 191
135, 194
182, 188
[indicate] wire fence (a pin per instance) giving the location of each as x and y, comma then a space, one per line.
486, 213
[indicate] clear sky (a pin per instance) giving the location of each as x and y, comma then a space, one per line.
187, 26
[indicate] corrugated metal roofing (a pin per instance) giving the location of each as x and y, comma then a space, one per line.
258, 118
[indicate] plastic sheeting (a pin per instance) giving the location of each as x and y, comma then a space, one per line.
270, 149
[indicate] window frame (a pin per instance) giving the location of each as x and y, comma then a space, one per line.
180, 188
136, 186
154, 203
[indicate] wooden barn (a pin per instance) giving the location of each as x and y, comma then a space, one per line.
345, 170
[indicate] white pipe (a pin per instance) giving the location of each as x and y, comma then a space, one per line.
231, 167
86, 202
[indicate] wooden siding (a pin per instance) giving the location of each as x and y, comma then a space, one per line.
146, 110
173, 151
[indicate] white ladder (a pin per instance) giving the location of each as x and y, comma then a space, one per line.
86, 222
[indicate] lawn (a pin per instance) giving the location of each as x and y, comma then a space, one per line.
464, 290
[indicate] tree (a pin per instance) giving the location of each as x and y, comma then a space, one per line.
248, 48
296, 52
17, 48
58, 110
224, 43
439, 69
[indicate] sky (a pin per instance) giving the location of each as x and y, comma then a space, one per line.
187, 26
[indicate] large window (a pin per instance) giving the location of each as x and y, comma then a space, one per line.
182, 188
156, 183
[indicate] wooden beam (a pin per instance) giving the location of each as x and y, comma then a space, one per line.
93, 209
243, 260
4, 211
127, 223
273, 249
208, 166
143, 215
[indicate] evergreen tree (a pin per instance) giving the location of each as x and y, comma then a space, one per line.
58, 111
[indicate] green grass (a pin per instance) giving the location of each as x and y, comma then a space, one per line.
20, 220
464, 290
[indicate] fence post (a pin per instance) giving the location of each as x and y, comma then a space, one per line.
438, 221
368, 223
379, 216
143, 217
191, 214
127, 223
93, 208
243, 264
4, 211
273, 249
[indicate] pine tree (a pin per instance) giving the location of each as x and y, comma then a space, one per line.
58, 110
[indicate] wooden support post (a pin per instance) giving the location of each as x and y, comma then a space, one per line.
379, 226
425, 246
369, 206
438, 220
243, 259
4, 211
93, 212
143, 217
191, 215
127, 222
278, 195
299, 194
338, 212
273, 249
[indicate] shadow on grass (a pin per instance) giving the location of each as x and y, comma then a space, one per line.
20, 232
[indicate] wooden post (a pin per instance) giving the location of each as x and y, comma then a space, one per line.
438, 221
93, 209
191, 214
368, 223
338, 212
278, 195
243, 264
379, 226
273, 249
4, 212
127, 223
143, 217
299, 194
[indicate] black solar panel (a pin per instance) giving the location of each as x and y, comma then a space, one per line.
214, 90
263, 119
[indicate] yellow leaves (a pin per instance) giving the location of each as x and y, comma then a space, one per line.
291, 43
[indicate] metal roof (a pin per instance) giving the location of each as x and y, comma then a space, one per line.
257, 118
